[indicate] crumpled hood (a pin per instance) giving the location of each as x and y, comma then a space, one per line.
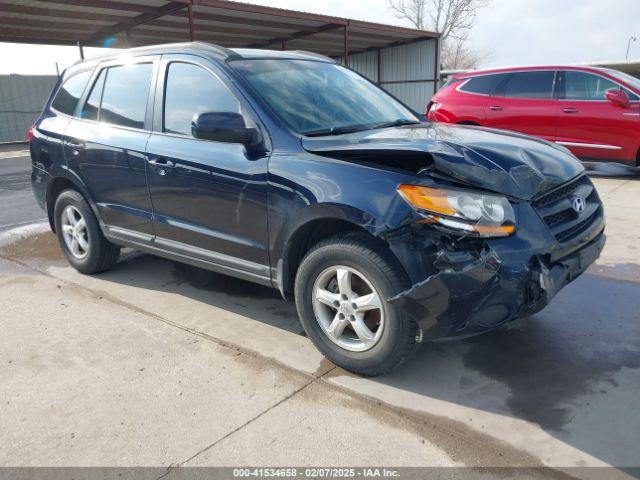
516, 165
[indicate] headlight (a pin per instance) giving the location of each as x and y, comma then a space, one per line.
474, 213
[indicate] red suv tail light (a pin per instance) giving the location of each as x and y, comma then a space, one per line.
30, 133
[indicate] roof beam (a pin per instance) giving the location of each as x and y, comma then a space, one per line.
296, 35
277, 12
226, 19
109, 5
46, 24
57, 13
152, 14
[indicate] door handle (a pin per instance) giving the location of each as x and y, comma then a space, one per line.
570, 110
495, 108
162, 165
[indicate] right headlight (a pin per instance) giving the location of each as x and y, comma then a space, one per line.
472, 213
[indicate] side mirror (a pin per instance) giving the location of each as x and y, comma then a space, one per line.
618, 98
226, 127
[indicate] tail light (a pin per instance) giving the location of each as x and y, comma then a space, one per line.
30, 133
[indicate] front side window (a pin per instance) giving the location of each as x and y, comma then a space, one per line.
322, 98
124, 100
70, 92
189, 90
533, 85
483, 85
586, 86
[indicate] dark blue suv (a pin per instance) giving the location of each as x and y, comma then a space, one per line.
289, 170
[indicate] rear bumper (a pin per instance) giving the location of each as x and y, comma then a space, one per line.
496, 287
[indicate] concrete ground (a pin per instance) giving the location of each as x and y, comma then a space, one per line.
156, 363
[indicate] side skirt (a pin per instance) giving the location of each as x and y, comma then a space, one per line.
165, 249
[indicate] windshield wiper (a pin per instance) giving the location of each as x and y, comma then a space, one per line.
396, 123
359, 128
335, 131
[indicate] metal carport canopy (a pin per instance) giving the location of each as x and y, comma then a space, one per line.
111, 23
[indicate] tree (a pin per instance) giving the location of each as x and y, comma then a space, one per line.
452, 19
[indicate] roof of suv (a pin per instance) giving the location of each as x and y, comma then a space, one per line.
473, 73
210, 49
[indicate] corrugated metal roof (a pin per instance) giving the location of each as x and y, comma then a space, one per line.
231, 24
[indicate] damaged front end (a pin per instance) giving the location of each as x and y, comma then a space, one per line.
472, 285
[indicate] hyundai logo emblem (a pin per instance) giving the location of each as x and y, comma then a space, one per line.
579, 204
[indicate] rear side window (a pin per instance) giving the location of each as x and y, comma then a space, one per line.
124, 100
190, 90
70, 92
483, 85
534, 85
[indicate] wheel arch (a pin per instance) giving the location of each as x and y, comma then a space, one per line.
59, 184
304, 237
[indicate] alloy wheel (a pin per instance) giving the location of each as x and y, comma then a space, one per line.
74, 232
348, 308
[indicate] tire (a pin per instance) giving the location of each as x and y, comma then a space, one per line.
391, 338
91, 252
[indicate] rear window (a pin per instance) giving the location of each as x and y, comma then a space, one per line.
483, 85
70, 92
124, 100
535, 85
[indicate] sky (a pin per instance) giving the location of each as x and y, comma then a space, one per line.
508, 32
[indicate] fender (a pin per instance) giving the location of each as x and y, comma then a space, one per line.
63, 172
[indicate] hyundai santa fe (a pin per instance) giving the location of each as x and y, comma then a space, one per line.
291, 171
594, 112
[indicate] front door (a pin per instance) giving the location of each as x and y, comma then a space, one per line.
209, 198
105, 146
593, 127
524, 103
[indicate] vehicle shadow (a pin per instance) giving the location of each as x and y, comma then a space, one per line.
611, 170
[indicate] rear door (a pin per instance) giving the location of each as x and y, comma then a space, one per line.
105, 145
525, 103
590, 125
209, 198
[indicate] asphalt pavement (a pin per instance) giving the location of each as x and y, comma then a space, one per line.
18, 205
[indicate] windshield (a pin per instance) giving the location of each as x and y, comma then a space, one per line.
318, 98
628, 79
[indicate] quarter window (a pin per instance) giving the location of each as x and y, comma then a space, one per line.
70, 92
484, 84
534, 85
92, 105
586, 86
124, 101
190, 90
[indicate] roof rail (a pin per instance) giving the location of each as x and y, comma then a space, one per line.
218, 50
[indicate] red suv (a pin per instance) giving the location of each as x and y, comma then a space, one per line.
595, 112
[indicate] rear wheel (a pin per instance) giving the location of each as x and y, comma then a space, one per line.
80, 237
341, 290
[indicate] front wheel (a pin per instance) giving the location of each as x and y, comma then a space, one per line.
341, 291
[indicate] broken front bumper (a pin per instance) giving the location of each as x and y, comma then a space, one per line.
511, 278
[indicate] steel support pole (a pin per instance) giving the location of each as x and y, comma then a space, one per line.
346, 45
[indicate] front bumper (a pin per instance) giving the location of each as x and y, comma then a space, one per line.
509, 278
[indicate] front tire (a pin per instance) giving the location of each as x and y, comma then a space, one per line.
80, 236
341, 292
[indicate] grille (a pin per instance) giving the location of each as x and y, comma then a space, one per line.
557, 211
